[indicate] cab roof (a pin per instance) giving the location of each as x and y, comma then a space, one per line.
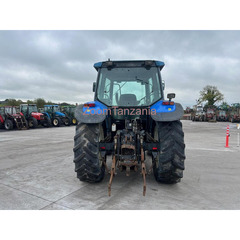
51, 105
129, 63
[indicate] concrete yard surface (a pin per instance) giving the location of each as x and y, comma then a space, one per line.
37, 172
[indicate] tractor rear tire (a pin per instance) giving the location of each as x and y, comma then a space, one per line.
56, 122
169, 165
88, 164
32, 123
67, 121
8, 124
47, 122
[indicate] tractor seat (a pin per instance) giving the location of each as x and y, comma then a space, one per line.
128, 100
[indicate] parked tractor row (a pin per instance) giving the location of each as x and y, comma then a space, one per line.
221, 113
27, 116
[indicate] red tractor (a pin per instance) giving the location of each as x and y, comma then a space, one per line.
1, 117
210, 114
33, 117
11, 117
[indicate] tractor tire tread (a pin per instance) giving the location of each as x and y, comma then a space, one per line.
86, 153
170, 162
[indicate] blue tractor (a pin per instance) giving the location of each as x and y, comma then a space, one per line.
129, 119
57, 117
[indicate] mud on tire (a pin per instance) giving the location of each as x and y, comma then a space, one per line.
88, 164
169, 165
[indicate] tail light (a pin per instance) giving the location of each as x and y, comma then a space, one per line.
89, 105
168, 103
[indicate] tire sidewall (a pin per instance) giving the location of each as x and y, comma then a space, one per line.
56, 122
8, 124
33, 123
67, 122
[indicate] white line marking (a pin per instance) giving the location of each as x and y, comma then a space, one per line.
211, 149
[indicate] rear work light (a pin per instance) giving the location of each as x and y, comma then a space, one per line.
89, 105
168, 103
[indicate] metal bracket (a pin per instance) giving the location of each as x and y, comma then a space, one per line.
143, 167
112, 175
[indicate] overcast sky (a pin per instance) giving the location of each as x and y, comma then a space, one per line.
58, 65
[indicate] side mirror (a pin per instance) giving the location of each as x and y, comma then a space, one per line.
94, 87
163, 84
170, 96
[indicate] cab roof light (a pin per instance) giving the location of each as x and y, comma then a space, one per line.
97, 65
148, 63
160, 64
109, 63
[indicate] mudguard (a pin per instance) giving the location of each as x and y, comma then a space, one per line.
166, 113
95, 114
47, 114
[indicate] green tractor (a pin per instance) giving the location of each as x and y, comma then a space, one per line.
70, 112
129, 119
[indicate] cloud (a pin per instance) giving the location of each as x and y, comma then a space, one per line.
58, 65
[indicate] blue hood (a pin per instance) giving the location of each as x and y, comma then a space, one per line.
60, 114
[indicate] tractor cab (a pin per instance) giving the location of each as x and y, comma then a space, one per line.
53, 110
11, 110
129, 89
28, 109
128, 84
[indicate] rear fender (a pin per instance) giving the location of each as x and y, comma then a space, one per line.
166, 113
47, 114
95, 114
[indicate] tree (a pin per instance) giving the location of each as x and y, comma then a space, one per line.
210, 95
30, 102
40, 102
12, 102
